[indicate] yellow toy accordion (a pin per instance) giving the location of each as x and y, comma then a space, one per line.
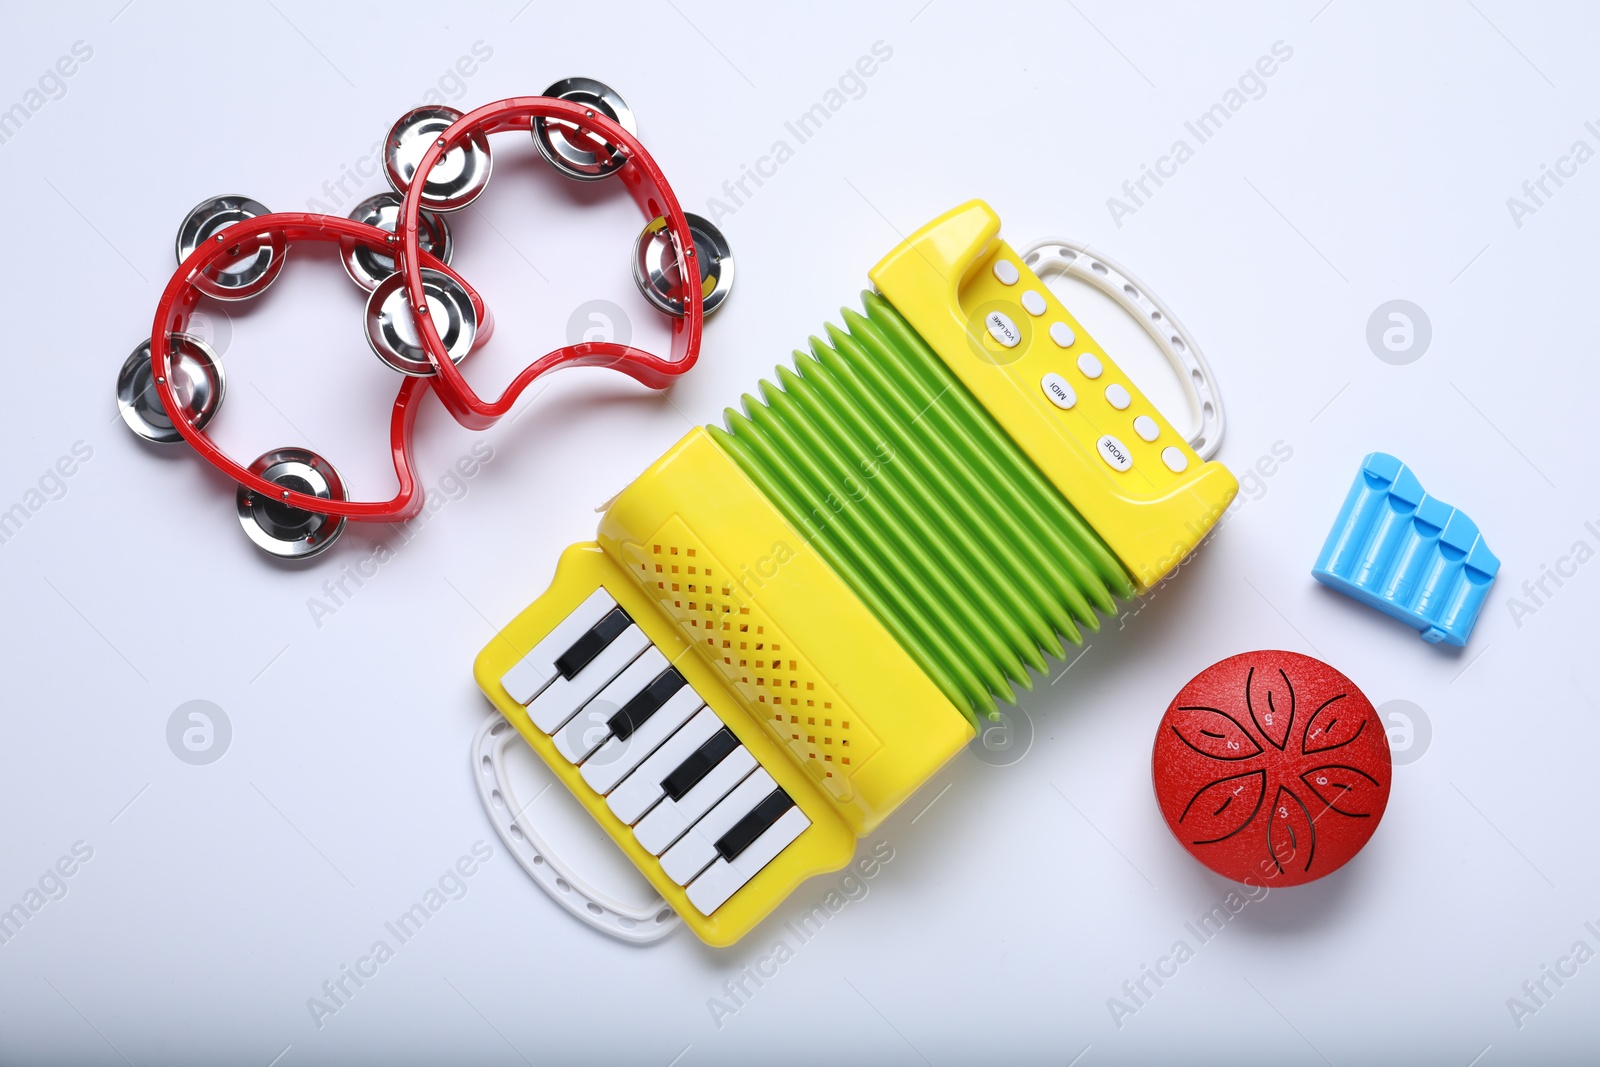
787, 625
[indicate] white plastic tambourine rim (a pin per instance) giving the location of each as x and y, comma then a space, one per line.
555, 876
1057, 256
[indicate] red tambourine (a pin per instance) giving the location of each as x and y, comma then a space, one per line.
422, 318
581, 139
241, 242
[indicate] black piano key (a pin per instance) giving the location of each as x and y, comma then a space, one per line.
753, 825
592, 643
699, 764
644, 704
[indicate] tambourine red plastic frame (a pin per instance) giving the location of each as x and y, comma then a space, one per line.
241, 240
638, 173
649, 189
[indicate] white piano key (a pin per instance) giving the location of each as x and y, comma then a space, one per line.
722, 879
667, 821
589, 729
633, 797
614, 759
698, 846
563, 697
534, 671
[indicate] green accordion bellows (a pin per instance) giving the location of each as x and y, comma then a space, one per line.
917, 498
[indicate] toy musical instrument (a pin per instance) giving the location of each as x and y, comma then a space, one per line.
789, 623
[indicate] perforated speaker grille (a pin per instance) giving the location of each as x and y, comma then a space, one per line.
779, 684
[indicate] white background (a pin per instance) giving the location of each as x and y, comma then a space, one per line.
1376, 165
